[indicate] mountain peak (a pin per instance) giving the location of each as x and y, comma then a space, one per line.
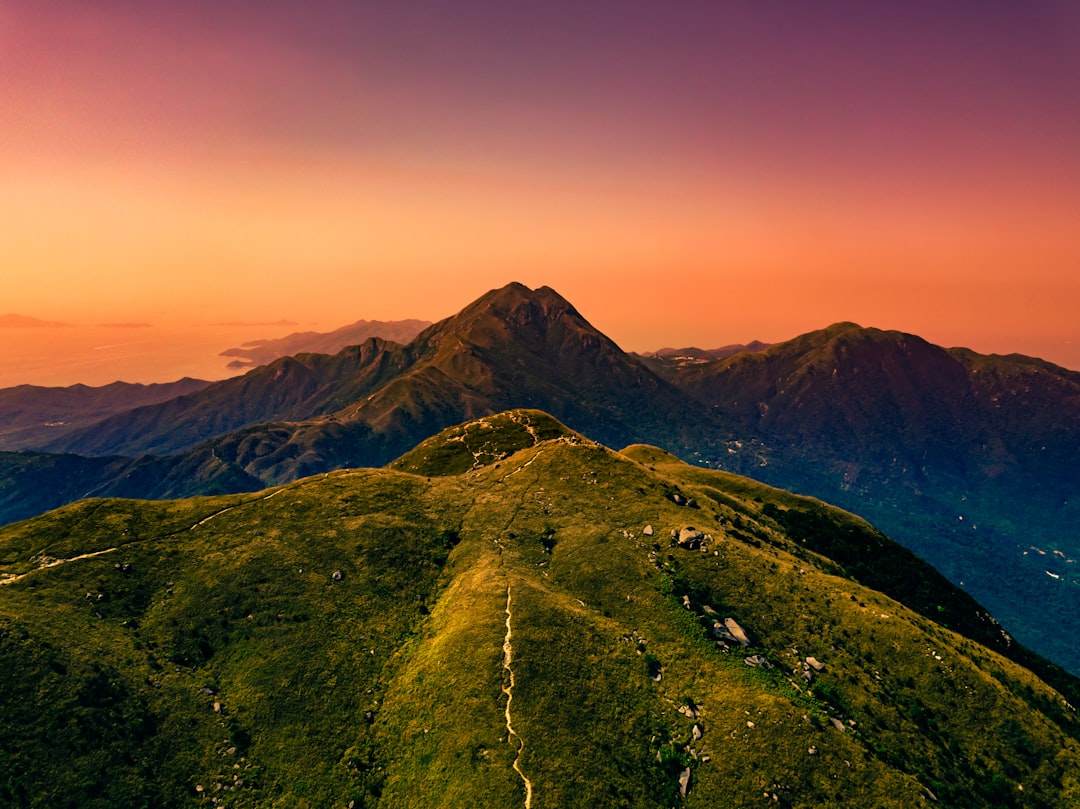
483, 441
540, 321
514, 296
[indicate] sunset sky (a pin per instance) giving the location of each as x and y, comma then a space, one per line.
695, 173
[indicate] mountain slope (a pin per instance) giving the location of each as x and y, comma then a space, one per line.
969, 460
469, 639
32, 483
513, 347
30, 415
289, 388
516, 347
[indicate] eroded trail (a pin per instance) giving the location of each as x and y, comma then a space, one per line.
55, 563
508, 658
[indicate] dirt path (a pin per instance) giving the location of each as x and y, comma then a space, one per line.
508, 657
56, 563
7, 578
230, 508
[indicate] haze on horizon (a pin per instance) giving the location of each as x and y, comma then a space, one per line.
700, 175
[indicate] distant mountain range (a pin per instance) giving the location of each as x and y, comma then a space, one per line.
510, 615
970, 460
664, 357
32, 416
261, 352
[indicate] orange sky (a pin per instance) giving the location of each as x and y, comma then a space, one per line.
704, 176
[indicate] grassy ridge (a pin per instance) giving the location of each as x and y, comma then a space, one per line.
340, 640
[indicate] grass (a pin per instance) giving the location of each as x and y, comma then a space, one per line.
340, 640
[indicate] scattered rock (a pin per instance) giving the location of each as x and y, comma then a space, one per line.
647, 530
730, 630
812, 751
217, 707
689, 710
690, 538
686, 602
684, 782
813, 663
696, 733
336, 575
757, 660
836, 723
678, 500
750, 724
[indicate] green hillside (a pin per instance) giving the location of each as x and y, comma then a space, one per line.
502, 619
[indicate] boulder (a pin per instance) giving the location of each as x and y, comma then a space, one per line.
690, 538
336, 575
684, 782
813, 663
757, 661
738, 634
647, 530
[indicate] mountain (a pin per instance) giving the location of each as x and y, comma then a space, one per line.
689, 356
32, 416
32, 483
507, 623
514, 347
291, 389
262, 352
969, 460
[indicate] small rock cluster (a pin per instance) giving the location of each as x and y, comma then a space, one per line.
691, 539
688, 502
729, 632
809, 666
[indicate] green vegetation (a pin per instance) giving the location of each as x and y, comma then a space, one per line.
340, 641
